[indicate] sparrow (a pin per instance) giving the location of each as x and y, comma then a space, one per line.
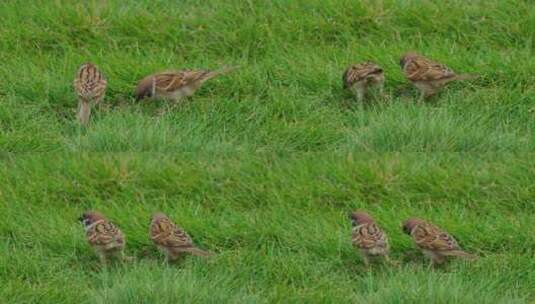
427, 75
171, 239
359, 78
367, 237
106, 239
90, 87
434, 242
174, 85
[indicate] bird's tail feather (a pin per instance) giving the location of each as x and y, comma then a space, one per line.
84, 111
226, 69
465, 76
221, 71
461, 254
198, 252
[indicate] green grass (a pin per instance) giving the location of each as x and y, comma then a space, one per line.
278, 225
287, 96
263, 165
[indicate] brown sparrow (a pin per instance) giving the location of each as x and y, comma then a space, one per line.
105, 238
434, 242
171, 239
428, 76
367, 237
90, 87
359, 78
174, 85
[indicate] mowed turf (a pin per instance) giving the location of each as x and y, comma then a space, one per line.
263, 165
278, 225
287, 95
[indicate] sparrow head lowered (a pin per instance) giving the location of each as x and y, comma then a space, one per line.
409, 224
407, 57
89, 217
360, 217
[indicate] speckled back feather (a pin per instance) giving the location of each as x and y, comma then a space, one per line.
89, 83
168, 82
360, 72
368, 236
106, 235
429, 237
420, 68
164, 232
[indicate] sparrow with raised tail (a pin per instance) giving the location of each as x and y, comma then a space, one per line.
175, 85
106, 239
171, 239
90, 87
434, 242
359, 78
368, 238
427, 75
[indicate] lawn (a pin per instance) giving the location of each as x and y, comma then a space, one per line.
263, 165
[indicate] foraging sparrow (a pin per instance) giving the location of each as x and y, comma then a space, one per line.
171, 239
105, 238
434, 242
428, 76
367, 237
360, 77
90, 86
174, 85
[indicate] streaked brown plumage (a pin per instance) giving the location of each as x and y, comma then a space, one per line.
171, 239
174, 85
427, 75
90, 87
367, 237
434, 242
103, 236
359, 78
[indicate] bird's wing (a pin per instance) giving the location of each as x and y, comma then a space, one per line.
90, 85
367, 236
166, 233
105, 233
430, 237
169, 81
172, 81
423, 69
360, 72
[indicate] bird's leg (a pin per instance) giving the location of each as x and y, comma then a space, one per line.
366, 261
168, 258
436, 260
431, 265
422, 97
171, 256
382, 89
361, 92
388, 260
103, 259
125, 258
84, 111
169, 105
429, 92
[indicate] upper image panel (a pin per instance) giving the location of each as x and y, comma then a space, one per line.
278, 76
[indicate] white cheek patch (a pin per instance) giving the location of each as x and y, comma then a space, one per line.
86, 224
